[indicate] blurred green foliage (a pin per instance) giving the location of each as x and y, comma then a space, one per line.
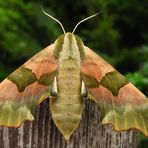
119, 33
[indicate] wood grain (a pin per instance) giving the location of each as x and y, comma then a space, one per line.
42, 132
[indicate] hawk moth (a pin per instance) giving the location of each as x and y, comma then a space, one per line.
67, 72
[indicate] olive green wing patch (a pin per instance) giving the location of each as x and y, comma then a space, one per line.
27, 87
121, 103
22, 77
90, 82
113, 81
47, 79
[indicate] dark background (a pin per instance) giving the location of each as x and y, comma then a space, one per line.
119, 34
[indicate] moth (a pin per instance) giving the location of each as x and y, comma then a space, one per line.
67, 72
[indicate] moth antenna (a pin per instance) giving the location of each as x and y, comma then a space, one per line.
54, 19
85, 20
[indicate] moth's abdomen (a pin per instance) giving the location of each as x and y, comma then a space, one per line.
66, 117
67, 107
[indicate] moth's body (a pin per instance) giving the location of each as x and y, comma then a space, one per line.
67, 106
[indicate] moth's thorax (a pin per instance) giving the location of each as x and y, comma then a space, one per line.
70, 49
69, 46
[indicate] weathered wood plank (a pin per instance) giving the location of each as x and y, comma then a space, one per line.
42, 133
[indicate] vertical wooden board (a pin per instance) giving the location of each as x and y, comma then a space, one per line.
42, 133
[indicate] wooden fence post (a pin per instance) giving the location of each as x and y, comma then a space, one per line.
42, 132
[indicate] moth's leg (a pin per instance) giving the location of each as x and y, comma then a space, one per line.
84, 93
53, 89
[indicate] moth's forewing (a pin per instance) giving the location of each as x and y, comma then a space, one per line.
22, 90
121, 103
